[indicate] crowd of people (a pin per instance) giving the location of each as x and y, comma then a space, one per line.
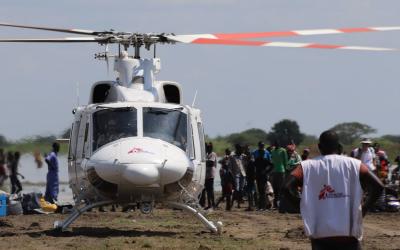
9, 169
258, 175
9, 163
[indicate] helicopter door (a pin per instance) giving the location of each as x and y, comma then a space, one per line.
82, 145
72, 151
199, 151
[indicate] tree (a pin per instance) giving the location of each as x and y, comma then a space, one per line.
66, 134
3, 141
348, 132
285, 132
251, 136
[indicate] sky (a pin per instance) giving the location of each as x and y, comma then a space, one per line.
237, 87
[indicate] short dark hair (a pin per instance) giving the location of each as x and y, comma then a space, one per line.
56, 146
329, 142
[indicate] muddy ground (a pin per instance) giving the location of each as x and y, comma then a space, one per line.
172, 229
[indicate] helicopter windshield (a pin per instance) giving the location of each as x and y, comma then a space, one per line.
166, 124
113, 124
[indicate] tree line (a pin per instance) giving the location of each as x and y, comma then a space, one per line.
286, 131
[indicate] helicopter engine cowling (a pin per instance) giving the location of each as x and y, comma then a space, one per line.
140, 162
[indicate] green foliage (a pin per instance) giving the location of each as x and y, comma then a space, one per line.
349, 132
251, 137
285, 132
392, 138
3, 141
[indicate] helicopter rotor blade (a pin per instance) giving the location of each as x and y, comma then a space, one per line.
73, 31
239, 42
307, 32
57, 40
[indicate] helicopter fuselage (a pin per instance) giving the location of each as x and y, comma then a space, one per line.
133, 152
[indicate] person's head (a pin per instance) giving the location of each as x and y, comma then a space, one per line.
17, 155
227, 151
365, 143
56, 147
261, 145
10, 156
238, 149
329, 143
306, 151
209, 147
376, 146
246, 149
290, 148
276, 144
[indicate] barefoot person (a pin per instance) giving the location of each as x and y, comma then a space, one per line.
331, 200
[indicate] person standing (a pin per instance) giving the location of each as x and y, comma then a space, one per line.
16, 186
227, 180
211, 168
51, 193
236, 164
306, 154
250, 186
262, 163
332, 193
293, 158
366, 154
279, 161
3, 171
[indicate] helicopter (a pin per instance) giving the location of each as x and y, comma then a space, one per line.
135, 142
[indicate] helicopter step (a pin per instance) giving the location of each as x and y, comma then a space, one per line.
217, 229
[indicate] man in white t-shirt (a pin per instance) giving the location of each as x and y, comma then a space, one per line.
332, 191
366, 154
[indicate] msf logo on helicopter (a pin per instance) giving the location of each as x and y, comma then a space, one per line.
137, 150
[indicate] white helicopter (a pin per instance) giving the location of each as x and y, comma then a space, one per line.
135, 142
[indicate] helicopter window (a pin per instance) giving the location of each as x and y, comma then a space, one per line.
113, 124
100, 93
166, 124
172, 93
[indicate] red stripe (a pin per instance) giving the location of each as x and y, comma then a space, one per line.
255, 35
227, 42
350, 30
323, 46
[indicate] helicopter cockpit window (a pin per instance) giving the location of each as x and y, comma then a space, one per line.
113, 124
166, 124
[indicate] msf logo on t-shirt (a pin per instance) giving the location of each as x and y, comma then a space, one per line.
327, 192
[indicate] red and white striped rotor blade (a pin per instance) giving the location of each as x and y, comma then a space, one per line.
308, 32
239, 42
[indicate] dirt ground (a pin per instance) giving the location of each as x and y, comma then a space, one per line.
172, 229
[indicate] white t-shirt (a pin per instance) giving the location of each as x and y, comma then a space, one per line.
331, 197
367, 157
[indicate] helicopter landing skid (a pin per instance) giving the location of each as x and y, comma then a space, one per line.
217, 229
62, 225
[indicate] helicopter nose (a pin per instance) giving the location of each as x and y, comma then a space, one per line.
140, 161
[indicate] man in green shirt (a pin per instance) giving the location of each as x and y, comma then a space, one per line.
279, 160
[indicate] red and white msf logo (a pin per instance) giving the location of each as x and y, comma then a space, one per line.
327, 192
138, 150
323, 194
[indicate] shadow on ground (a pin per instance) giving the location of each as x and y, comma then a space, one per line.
99, 232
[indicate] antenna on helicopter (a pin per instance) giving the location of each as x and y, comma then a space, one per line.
194, 98
106, 58
77, 94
